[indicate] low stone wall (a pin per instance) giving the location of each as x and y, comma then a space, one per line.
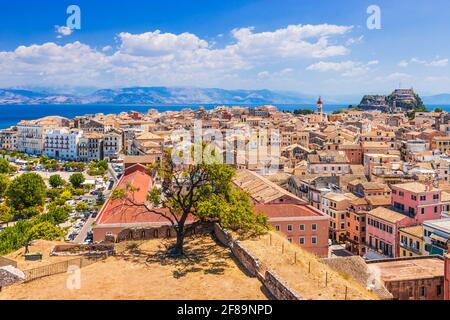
278, 288
222, 235
256, 268
245, 258
160, 232
84, 250
4, 262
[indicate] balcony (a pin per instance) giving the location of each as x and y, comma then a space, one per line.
410, 248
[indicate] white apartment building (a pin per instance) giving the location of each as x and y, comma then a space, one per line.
436, 236
8, 139
30, 138
112, 145
62, 143
90, 147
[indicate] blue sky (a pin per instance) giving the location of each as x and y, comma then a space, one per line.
315, 47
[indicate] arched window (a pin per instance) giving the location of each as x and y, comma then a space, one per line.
155, 233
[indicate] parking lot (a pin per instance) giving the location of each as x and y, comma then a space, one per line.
79, 224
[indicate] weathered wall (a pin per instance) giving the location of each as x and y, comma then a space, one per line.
278, 288
81, 249
222, 235
272, 282
412, 289
245, 258
119, 234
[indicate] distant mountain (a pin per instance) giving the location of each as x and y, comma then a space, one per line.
8, 96
157, 95
437, 99
164, 95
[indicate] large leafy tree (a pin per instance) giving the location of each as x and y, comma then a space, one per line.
5, 167
43, 230
197, 193
6, 215
4, 183
26, 191
56, 181
77, 179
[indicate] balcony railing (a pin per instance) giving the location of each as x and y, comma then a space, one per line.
409, 248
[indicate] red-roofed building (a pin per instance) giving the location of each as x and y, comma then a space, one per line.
302, 224
131, 214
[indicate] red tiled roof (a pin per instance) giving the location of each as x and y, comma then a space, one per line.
287, 210
132, 210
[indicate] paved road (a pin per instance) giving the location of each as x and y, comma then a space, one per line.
112, 173
83, 232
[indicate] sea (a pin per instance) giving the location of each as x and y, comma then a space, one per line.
10, 115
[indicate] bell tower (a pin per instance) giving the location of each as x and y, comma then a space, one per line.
320, 106
320, 109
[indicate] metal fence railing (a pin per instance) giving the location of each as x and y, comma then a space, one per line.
60, 267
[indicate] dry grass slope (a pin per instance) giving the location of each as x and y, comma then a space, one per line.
140, 271
304, 272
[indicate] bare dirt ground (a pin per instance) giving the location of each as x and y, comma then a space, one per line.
303, 271
140, 270
39, 246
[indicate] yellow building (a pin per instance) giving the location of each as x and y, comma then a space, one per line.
440, 143
411, 242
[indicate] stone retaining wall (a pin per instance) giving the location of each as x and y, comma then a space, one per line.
278, 288
275, 285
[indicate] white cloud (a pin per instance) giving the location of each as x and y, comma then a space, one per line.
346, 68
438, 62
353, 41
157, 58
264, 74
63, 31
157, 43
293, 41
277, 74
107, 48
403, 64
436, 79
396, 76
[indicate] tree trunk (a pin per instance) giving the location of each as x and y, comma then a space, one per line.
178, 249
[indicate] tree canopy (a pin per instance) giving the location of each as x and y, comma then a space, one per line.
77, 179
56, 181
4, 183
26, 191
44, 231
6, 167
204, 193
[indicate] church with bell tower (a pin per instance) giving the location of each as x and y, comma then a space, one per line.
320, 110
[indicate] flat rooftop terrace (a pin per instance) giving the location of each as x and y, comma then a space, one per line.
410, 269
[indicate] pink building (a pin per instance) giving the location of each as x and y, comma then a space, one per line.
417, 200
447, 277
382, 234
301, 224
